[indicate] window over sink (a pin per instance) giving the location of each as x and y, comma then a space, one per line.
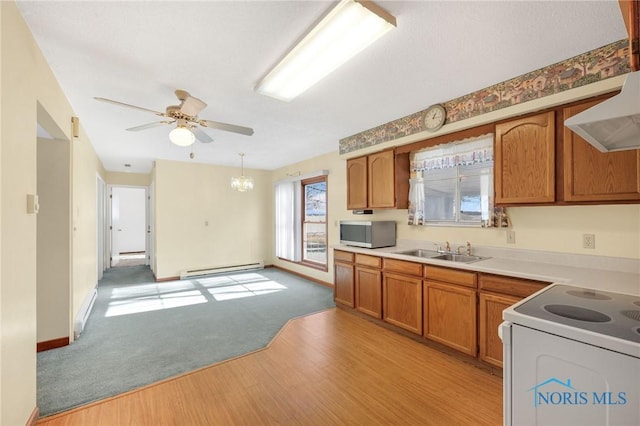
452, 184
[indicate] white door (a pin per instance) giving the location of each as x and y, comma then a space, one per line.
128, 222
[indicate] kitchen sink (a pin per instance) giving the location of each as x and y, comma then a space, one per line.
429, 254
432, 254
464, 258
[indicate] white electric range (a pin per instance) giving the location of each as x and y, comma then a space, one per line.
572, 357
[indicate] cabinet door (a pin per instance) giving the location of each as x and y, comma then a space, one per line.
591, 175
450, 315
357, 183
402, 301
489, 319
382, 180
525, 160
369, 291
343, 288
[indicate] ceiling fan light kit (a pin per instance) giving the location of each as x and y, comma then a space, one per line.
346, 30
242, 183
185, 117
182, 136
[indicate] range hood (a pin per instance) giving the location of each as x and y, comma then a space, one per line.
613, 125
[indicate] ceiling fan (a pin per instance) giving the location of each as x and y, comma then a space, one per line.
185, 117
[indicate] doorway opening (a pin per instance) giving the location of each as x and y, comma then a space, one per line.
54, 281
129, 226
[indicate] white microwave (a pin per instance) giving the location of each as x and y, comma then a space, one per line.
368, 234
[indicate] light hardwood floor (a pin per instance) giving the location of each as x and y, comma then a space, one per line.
332, 367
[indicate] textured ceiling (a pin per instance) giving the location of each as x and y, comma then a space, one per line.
140, 52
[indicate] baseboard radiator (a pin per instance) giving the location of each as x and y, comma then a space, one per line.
190, 273
83, 315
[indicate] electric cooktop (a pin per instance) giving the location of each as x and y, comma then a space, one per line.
610, 314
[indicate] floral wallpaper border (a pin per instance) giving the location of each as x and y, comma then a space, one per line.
596, 65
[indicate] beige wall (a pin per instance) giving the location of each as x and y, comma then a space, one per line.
133, 179
86, 166
201, 222
53, 239
26, 81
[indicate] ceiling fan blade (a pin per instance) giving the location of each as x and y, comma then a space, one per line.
200, 135
227, 127
148, 126
192, 106
109, 101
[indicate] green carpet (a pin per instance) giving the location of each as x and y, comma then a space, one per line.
141, 331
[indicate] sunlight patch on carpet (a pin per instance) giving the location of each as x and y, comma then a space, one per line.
245, 290
155, 303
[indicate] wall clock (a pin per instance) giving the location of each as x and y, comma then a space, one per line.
434, 117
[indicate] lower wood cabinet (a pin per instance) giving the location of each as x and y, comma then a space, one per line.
490, 309
402, 301
457, 308
450, 315
368, 280
343, 278
496, 293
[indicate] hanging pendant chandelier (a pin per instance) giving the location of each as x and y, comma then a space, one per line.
242, 183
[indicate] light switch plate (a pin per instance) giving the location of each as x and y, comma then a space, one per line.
511, 237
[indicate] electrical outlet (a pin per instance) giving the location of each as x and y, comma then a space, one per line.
589, 241
511, 237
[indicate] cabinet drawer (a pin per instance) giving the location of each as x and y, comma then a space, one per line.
509, 285
454, 276
344, 256
402, 266
365, 259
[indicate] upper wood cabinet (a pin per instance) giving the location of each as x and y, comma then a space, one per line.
378, 181
591, 175
381, 180
357, 183
525, 160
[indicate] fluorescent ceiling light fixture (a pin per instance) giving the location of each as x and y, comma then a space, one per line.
350, 27
182, 136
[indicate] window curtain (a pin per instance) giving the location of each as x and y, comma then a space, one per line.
287, 220
460, 153
416, 202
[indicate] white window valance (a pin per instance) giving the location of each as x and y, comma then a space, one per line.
459, 153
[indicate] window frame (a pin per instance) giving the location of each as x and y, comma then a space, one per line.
308, 262
288, 224
452, 163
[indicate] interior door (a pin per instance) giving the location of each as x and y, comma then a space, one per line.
128, 222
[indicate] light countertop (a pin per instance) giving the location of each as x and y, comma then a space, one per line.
618, 275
